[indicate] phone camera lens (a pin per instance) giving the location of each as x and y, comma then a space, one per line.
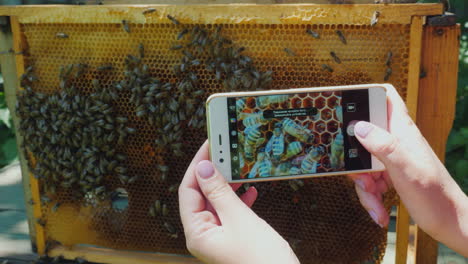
221, 160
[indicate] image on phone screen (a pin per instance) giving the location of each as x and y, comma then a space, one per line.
296, 134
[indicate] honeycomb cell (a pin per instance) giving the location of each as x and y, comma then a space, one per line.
332, 126
320, 126
319, 102
325, 138
331, 102
326, 114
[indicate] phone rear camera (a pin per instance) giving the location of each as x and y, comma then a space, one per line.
221, 160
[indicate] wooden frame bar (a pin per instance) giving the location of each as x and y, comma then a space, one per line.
403, 219
236, 13
436, 107
12, 66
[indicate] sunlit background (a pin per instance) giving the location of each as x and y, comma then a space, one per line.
13, 226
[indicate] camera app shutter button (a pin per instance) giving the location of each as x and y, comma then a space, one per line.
350, 129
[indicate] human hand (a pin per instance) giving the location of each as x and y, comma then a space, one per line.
433, 199
219, 226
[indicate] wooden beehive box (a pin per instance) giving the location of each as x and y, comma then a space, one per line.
46, 39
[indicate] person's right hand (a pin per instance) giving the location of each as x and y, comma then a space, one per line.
432, 197
219, 226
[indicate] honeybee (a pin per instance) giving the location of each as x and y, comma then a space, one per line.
337, 152
241, 161
252, 119
341, 36
249, 151
262, 166
240, 106
335, 57
313, 33
275, 144
327, 67
301, 133
165, 210
149, 11
375, 18
264, 101
289, 52
173, 20
55, 207
282, 169
310, 163
296, 184
388, 73
126, 26
61, 35
157, 207
294, 171
171, 229
182, 33
388, 61
252, 134
339, 112
293, 149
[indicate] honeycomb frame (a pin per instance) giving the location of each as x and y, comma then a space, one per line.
290, 33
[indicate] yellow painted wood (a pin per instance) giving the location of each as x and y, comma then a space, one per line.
235, 13
402, 234
191, 2
33, 183
403, 219
436, 107
10, 84
101, 255
188, 2
414, 65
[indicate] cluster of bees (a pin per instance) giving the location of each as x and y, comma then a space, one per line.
71, 140
291, 148
171, 112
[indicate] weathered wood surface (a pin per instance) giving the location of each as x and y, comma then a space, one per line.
211, 14
436, 106
10, 64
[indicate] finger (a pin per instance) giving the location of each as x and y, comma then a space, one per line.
365, 181
209, 207
376, 175
374, 206
356, 175
395, 102
381, 186
381, 144
235, 186
250, 196
217, 191
191, 199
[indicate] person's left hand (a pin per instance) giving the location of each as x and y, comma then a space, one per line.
219, 226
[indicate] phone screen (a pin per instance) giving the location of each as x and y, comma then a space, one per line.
295, 134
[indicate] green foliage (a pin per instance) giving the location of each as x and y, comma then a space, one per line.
8, 150
457, 145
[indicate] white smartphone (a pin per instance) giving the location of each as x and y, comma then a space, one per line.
294, 133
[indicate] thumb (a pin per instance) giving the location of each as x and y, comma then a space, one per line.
380, 143
217, 191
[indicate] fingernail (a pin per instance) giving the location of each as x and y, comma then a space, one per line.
362, 128
361, 184
374, 217
205, 169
